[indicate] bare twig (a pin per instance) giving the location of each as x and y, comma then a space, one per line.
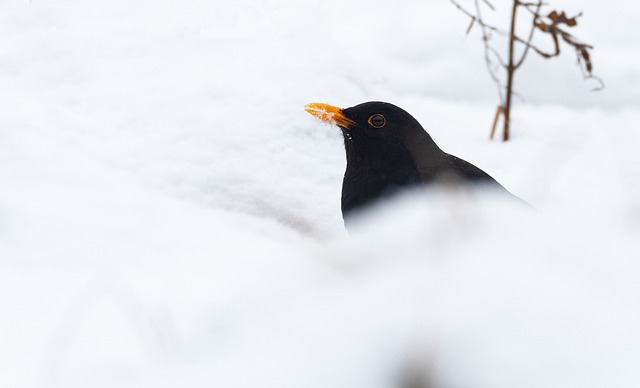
477, 19
532, 4
473, 22
488, 51
510, 73
499, 112
489, 5
536, 15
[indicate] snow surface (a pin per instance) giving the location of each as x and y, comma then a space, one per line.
169, 214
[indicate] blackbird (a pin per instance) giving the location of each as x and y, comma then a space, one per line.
387, 150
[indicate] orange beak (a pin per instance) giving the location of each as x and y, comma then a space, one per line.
329, 114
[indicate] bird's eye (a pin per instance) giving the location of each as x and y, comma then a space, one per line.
377, 121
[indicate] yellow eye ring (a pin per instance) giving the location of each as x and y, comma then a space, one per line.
377, 121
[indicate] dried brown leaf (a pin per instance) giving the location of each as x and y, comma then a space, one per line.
561, 18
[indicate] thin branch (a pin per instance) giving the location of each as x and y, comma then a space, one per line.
477, 19
488, 50
499, 111
481, 23
536, 15
501, 62
489, 5
532, 4
473, 22
534, 47
486, 36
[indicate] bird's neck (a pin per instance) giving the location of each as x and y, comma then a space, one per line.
375, 173
427, 156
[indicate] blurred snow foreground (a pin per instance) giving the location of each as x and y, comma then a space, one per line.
435, 289
169, 215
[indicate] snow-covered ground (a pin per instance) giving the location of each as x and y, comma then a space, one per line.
169, 214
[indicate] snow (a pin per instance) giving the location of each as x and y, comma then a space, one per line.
170, 216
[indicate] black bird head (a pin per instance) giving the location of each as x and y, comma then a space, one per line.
378, 134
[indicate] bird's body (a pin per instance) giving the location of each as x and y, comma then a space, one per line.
388, 150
